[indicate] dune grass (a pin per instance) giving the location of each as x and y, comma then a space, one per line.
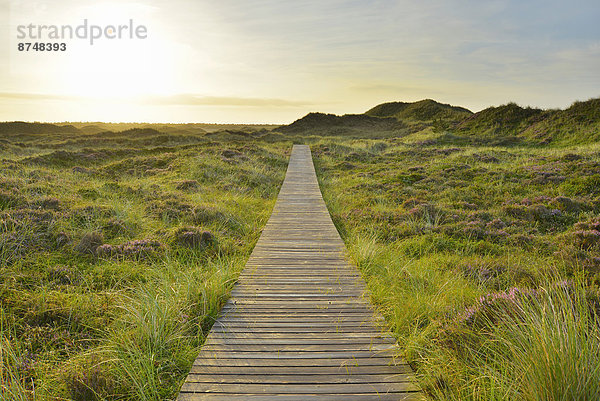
527, 345
117, 251
483, 259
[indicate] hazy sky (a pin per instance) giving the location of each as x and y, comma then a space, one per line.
276, 60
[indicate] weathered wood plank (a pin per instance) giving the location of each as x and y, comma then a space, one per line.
414, 396
303, 347
285, 356
299, 379
303, 370
312, 388
304, 318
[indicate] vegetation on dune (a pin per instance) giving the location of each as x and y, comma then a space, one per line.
483, 259
346, 125
507, 120
478, 235
20, 128
117, 251
576, 125
426, 110
502, 125
172, 129
579, 124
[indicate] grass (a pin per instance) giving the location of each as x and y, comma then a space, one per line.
13, 384
539, 345
481, 258
117, 250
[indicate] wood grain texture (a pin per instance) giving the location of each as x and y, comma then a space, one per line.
299, 324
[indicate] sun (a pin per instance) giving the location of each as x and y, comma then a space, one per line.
117, 70
119, 67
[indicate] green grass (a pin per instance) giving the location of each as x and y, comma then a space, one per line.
428, 111
444, 231
117, 251
536, 345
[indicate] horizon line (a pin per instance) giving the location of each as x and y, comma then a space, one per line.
4, 94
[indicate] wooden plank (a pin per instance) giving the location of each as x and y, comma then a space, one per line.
299, 325
333, 328
412, 396
303, 292
297, 335
312, 388
212, 347
318, 343
281, 355
319, 325
300, 379
266, 371
304, 303
255, 315
290, 308
265, 339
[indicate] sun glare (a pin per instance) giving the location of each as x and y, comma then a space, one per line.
119, 68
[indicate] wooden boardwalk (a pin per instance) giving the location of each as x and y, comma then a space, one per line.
298, 325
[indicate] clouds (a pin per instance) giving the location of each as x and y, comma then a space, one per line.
173, 100
34, 96
198, 100
279, 58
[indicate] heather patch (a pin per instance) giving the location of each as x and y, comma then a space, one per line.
117, 250
460, 247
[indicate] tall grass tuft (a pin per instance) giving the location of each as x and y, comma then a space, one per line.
13, 384
143, 351
150, 347
532, 345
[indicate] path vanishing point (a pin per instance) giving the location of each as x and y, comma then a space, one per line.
299, 324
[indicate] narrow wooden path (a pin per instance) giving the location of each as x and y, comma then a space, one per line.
298, 325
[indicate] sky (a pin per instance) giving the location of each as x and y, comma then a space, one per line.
273, 61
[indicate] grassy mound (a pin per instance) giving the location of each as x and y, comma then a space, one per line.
501, 125
347, 125
506, 120
19, 127
578, 124
425, 111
